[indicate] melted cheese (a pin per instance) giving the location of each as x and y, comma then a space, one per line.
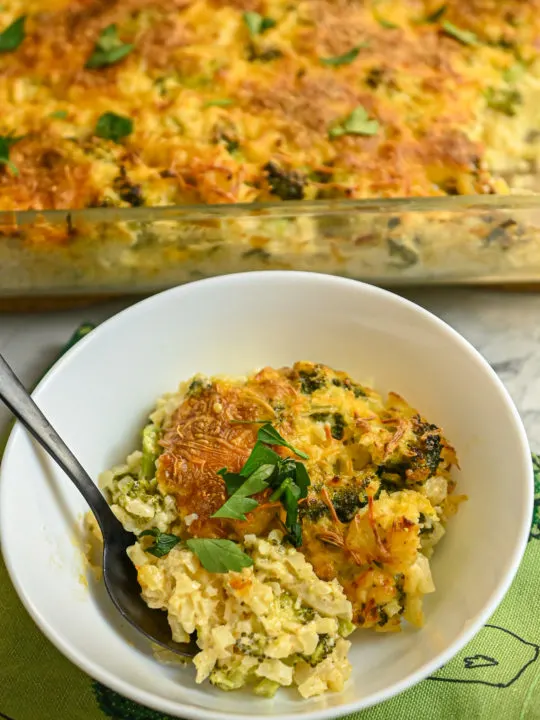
428, 91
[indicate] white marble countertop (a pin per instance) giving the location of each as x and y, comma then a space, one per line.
504, 327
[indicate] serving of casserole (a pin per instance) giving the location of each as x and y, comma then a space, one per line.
273, 514
194, 105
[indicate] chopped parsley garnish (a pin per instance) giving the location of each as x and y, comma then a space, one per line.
357, 123
114, 127
239, 503
13, 35
463, 36
217, 556
503, 100
164, 542
270, 436
386, 23
264, 468
109, 49
6, 141
436, 15
59, 114
346, 58
257, 24
218, 102
514, 73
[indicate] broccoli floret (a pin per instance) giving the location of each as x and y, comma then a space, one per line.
313, 510
346, 502
324, 647
264, 55
252, 644
358, 390
197, 386
266, 688
424, 459
504, 100
231, 678
286, 184
129, 192
345, 627
311, 381
335, 420
301, 612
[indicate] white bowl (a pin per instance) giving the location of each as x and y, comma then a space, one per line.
99, 393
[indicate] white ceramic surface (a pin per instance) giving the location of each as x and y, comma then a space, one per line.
98, 394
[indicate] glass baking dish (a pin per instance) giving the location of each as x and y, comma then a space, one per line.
392, 242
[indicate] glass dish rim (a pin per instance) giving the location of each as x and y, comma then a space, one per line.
289, 208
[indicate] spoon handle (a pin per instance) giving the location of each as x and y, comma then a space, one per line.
27, 412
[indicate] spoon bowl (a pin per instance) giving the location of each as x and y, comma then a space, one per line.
119, 573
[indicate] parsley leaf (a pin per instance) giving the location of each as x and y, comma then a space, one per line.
236, 507
6, 141
257, 24
503, 100
59, 114
238, 503
269, 435
386, 23
357, 123
113, 127
109, 49
260, 455
346, 58
164, 542
218, 102
514, 73
219, 556
265, 468
463, 36
436, 15
232, 480
302, 479
13, 35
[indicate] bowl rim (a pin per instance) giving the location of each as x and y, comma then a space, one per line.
192, 712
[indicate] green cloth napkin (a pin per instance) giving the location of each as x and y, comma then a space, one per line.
497, 676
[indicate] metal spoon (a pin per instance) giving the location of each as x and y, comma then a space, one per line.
119, 572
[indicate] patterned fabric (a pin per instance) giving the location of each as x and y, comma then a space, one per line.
496, 677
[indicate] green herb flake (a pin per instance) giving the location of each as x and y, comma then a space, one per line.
236, 507
113, 127
357, 123
6, 141
463, 36
265, 468
257, 24
514, 73
505, 101
260, 455
345, 59
219, 556
386, 23
436, 15
164, 542
218, 102
59, 114
108, 50
13, 35
269, 435
239, 503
